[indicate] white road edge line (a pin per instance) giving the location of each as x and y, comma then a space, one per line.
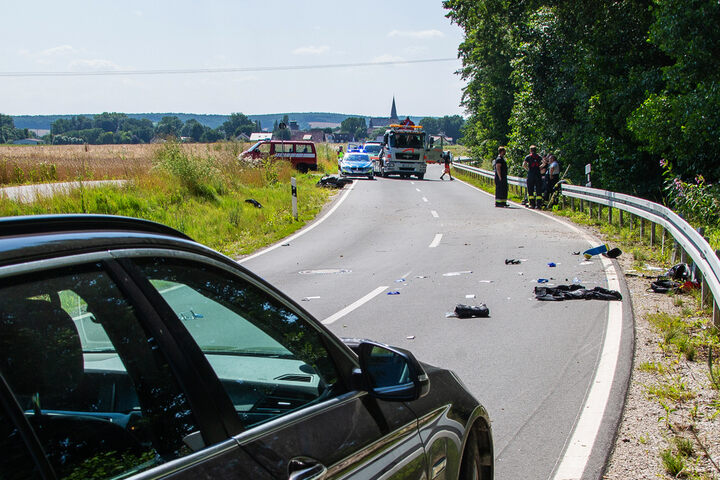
434, 214
358, 303
579, 447
301, 232
436, 240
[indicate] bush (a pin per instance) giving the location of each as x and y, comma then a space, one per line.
199, 175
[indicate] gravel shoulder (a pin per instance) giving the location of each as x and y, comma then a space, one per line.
651, 422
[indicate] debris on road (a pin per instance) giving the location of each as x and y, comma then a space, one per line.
307, 299
470, 295
512, 261
394, 293
613, 253
410, 337
590, 252
470, 311
575, 292
454, 274
333, 182
552, 264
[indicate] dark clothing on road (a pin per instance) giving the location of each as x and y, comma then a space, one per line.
534, 179
501, 184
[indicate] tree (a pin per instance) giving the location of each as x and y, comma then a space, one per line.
355, 126
8, 132
193, 129
109, 122
169, 126
238, 124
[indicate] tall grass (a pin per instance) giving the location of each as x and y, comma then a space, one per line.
202, 193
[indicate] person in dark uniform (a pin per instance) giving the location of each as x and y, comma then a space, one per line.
534, 178
501, 181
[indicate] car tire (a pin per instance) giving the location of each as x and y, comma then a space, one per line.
472, 467
421, 176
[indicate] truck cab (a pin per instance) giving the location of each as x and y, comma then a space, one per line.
404, 152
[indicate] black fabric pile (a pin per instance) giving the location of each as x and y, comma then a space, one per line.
575, 292
469, 311
333, 182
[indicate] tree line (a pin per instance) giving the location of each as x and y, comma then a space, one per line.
628, 87
8, 132
107, 128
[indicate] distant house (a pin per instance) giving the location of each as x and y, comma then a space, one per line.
28, 141
322, 125
256, 137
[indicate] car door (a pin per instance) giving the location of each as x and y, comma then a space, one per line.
290, 381
91, 388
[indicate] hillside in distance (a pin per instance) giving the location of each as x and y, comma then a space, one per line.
43, 122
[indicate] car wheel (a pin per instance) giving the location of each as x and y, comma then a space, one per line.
371, 177
472, 467
421, 176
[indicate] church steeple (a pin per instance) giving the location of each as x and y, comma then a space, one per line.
393, 111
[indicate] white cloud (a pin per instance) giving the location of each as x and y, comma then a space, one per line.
420, 34
311, 50
93, 64
57, 51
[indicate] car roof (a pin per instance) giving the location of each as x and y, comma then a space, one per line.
27, 238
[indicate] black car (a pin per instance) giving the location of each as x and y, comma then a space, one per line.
130, 351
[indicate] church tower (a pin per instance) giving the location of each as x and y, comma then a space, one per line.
393, 112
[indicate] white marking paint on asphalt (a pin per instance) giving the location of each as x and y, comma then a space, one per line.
436, 240
417, 189
434, 214
579, 446
338, 315
301, 232
425, 199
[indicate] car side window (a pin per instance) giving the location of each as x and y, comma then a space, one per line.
93, 385
268, 359
16, 463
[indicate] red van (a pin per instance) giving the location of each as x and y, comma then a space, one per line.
302, 154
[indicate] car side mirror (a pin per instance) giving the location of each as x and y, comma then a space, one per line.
390, 373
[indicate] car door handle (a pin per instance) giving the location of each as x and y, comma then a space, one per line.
305, 468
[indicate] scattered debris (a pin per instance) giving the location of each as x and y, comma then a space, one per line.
307, 299
454, 274
485, 281
681, 271
595, 251
471, 295
613, 253
254, 202
394, 293
576, 253
542, 280
652, 268
512, 261
575, 292
421, 276
329, 181
552, 264
400, 280
410, 337
285, 245
664, 285
470, 311
586, 262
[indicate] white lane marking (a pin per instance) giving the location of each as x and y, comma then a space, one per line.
579, 446
434, 214
417, 189
338, 315
436, 240
301, 232
425, 199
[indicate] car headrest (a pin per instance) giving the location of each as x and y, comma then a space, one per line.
41, 349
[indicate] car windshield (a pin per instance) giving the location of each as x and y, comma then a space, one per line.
372, 148
357, 157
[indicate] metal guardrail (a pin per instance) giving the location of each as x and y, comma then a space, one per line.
687, 238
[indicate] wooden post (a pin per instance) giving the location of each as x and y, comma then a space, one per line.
622, 223
572, 203
582, 206
662, 248
599, 217
610, 215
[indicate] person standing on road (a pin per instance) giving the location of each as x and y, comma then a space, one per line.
501, 181
447, 157
532, 163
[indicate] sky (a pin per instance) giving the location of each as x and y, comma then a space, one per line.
246, 43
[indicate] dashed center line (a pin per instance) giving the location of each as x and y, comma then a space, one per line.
434, 214
436, 240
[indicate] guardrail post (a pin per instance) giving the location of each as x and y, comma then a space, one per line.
642, 229
716, 312
610, 215
582, 205
599, 211
572, 204
662, 245
652, 234
622, 223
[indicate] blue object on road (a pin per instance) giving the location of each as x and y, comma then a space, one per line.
543, 280
393, 293
595, 251
551, 264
